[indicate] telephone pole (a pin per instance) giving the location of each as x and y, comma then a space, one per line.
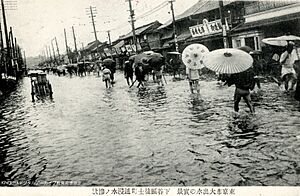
48, 48
8, 56
12, 43
25, 63
109, 40
92, 12
221, 11
47, 54
57, 50
132, 24
74, 39
54, 58
174, 26
1, 38
67, 50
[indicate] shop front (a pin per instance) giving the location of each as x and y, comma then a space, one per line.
209, 33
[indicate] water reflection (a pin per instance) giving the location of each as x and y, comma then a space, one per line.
156, 136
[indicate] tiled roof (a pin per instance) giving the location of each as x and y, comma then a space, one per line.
200, 7
92, 45
139, 30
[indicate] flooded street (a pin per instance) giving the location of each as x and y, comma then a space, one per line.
160, 136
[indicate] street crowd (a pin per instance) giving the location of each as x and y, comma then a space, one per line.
139, 68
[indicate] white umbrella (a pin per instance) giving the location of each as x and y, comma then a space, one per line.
192, 56
280, 41
272, 41
228, 61
176, 53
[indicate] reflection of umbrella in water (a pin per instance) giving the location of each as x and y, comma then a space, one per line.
228, 61
280, 41
192, 56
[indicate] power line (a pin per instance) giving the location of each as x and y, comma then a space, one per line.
153, 10
144, 15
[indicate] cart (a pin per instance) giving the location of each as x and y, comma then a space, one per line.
40, 85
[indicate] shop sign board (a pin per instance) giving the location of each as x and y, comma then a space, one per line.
128, 48
107, 51
206, 28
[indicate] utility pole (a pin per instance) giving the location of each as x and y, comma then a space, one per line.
57, 50
54, 58
48, 48
67, 50
132, 24
74, 39
1, 38
92, 12
47, 52
109, 40
221, 11
13, 54
174, 26
16, 49
12, 43
25, 63
8, 56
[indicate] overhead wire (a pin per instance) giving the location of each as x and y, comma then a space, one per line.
146, 14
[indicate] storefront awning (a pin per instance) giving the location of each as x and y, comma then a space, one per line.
206, 38
167, 35
267, 22
168, 43
120, 44
185, 35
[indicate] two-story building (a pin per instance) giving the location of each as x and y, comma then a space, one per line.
142, 37
202, 24
264, 19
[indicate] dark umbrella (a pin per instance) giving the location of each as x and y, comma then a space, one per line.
246, 49
108, 61
155, 61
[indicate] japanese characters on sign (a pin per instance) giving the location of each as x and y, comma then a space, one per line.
206, 28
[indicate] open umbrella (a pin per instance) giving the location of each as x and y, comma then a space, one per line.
155, 61
281, 40
272, 41
148, 52
228, 61
175, 53
137, 58
247, 49
108, 61
192, 56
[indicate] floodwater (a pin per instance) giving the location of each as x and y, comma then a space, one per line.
159, 136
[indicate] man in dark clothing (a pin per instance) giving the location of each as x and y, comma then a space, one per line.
157, 65
244, 82
140, 74
111, 65
128, 71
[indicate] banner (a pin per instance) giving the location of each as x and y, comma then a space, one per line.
207, 28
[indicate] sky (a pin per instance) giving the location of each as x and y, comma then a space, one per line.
36, 22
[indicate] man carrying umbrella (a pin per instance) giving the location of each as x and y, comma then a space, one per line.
156, 63
128, 71
287, 61
192, 57
111, 65
237, 63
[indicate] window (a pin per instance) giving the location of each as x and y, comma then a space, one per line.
238, 43
249, 41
